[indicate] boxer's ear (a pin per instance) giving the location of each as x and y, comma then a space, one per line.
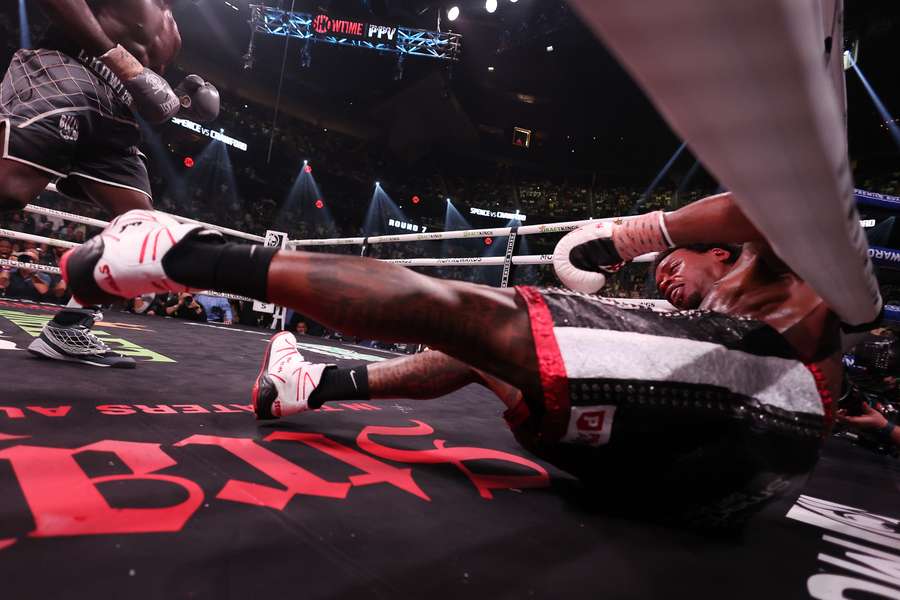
721, 254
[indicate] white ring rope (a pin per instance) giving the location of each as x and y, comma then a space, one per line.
536, 259
658, 305
490, 261
475, 261
561, 227
37, 239
481, 261
50, 212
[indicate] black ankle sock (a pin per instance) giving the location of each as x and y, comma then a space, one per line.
206, 262
341, 384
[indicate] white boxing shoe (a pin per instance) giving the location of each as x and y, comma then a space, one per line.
285, 381
126, 259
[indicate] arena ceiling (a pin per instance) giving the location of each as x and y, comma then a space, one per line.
584, 109
575, 97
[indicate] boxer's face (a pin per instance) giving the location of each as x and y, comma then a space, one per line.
685, 277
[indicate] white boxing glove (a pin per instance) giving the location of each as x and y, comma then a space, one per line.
584, 257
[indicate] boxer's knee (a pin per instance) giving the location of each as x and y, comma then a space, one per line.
19, 185
12, 199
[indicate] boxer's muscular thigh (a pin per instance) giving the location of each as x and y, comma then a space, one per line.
115, 199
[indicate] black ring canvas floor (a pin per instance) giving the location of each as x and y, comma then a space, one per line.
158, 483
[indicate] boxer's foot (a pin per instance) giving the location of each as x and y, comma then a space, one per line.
68, 337
126, 259
285, 381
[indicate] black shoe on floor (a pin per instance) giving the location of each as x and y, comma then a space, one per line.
68, 337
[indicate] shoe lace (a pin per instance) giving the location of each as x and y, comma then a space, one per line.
77, 340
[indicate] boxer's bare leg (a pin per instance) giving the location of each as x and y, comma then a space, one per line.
116, 200
430, 375
485, 327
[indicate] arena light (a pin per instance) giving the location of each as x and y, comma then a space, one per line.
319, 203
24, 31
416, 199
188, 162
307, 168
453, 13
490, 6
377, 184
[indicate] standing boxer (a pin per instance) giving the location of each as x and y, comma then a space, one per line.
69, 113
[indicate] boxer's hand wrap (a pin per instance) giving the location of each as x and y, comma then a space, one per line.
642, 235
199, 99
154, 100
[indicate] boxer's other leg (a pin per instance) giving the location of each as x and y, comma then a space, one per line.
117, 200
114, 199
68, 335
421, 376
20, 184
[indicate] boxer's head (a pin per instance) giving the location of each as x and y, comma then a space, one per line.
686, 274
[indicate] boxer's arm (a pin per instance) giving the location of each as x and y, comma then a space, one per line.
712, 220
80, 23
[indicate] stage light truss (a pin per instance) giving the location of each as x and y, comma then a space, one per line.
413, 42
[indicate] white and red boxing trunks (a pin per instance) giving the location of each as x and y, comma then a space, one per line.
713, 413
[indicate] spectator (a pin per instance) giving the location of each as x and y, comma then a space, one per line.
28, 284
218, 310
142, 304
873, 422
247, 316
4, 281
6, 248
183, 306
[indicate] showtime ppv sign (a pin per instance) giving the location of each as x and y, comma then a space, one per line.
325, 25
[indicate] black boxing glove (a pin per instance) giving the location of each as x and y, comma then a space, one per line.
153, 99
199, 99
